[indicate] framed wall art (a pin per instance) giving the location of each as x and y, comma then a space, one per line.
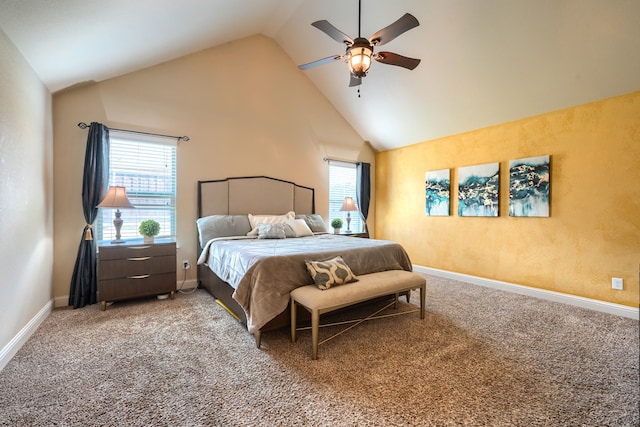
478, 190
529, 186
437, 192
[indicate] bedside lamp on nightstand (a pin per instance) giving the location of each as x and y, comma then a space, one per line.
348, 205
116, 198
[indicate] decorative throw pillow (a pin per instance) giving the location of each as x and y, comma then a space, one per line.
271, 231
314, 221
330, 273
288, 231
213, 226
254, 220
299, 227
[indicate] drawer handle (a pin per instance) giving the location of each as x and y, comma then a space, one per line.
139, 247
142, 258
142, 276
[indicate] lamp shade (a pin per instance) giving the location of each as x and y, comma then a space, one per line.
348, 205
116, 198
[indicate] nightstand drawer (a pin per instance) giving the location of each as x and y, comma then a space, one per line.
118, 289
136, 266
135, 251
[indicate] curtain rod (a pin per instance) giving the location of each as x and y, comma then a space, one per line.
83, 125
333, 159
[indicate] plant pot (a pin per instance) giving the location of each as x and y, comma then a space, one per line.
148, 239
336, 231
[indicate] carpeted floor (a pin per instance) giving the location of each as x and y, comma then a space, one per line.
480, 358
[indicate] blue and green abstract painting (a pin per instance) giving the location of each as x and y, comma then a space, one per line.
529, 187
478, 190
437, 196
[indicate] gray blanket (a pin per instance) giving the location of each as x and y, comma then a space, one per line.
264, 271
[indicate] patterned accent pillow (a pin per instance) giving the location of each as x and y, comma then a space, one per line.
271, 231
331, 272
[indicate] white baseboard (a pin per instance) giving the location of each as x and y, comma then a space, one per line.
10, 350
592, 304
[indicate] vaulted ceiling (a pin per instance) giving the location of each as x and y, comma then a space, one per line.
483, 62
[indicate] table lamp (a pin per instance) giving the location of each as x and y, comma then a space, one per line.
116, 198
348, 205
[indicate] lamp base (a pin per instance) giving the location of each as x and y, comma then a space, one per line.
117, 223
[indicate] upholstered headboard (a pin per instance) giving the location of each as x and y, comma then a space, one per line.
259, 195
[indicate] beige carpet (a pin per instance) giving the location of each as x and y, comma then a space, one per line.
480, 358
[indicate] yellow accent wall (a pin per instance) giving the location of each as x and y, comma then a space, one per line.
592, 234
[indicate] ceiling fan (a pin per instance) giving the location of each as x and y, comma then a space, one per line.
360, 51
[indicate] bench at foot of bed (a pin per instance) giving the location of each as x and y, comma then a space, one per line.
368, 287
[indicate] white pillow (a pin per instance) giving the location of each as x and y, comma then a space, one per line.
254, 220
300, 227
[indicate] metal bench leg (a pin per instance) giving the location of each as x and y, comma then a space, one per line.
315, 324
293, 320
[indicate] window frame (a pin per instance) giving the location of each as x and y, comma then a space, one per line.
153, 193
347, 173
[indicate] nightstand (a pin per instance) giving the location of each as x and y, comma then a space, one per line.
135, 269
364, 235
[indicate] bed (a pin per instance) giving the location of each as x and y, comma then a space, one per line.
252, 275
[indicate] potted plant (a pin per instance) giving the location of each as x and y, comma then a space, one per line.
336, 223
149, 229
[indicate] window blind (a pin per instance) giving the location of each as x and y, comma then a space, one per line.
146, 166
342, 183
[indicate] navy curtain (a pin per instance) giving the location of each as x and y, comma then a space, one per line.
363, 190
84, 281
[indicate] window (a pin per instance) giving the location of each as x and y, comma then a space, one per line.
146, 166
342, 183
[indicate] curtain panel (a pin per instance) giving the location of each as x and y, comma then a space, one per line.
84, 281
363, 190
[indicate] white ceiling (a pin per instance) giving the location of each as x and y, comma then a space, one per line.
483, 62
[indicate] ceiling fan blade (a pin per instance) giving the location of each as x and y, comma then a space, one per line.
333, 32
320, 62
385, 35
354, 81
391, 58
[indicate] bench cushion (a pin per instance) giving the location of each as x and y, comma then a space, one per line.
368, 286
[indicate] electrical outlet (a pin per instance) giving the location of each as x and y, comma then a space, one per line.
617, 283
186, 265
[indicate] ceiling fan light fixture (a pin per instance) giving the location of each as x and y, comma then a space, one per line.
359, 58
359, 52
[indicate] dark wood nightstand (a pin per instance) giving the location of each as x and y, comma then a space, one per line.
135, 269
363, 234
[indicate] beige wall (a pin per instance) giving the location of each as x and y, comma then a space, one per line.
247, 109
26, 198
593, 233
